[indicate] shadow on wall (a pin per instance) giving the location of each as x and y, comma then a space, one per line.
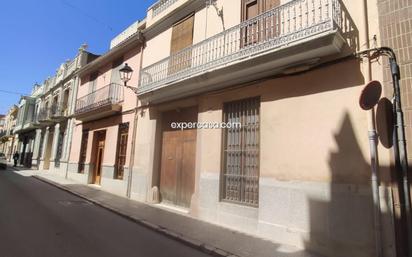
343, 224
340, 216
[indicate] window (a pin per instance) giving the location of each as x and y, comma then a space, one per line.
182, 37
83, 150
65, 105
240, 171
121, 150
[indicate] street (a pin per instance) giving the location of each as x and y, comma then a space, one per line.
37, 219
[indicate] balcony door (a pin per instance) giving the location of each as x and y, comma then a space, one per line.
182, 37
115, 75
261, 29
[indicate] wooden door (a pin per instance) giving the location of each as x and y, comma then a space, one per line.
177, 172
100, 142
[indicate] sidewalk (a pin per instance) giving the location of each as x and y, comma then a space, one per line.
207, 237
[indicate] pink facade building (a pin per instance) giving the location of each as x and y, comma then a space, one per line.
105, 113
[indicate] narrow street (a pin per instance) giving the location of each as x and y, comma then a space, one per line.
37, 219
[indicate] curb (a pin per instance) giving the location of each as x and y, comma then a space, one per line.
205, 248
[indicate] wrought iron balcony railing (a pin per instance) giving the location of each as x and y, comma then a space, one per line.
57, 111
162, 5
283, 25
108, 95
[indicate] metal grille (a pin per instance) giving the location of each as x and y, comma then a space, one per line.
59, 150
83, 150
240, 175
121, 150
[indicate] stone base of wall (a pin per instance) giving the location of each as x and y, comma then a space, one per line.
140, 184
112, 185
60, 171
331, 219
35, 163
73, 174
41, 165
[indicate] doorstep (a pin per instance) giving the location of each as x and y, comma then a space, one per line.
207, 237
172, 208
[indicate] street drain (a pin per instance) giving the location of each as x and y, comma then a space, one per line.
75, 203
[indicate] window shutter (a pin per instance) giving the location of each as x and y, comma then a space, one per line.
182, 34
182, 37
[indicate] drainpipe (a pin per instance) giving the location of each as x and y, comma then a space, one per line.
133, 145
206, 14
132, 153
373, 142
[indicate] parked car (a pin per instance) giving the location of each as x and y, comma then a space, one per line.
3, 161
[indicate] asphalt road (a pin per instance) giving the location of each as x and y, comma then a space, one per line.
39, 220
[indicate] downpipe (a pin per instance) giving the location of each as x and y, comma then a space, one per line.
373, 145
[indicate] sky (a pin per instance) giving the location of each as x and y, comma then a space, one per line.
37, 36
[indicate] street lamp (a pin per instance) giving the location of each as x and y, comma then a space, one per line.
125, 75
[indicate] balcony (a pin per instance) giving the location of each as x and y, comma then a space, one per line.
44, 116
25, 126
299, 32
162, 5
101, 103
58, 113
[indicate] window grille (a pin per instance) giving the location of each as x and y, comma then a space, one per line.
121, 150
83, 150
240, 175
59, 150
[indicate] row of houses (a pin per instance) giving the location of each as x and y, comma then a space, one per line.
296, 171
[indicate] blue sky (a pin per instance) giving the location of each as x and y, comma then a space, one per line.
38, 35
